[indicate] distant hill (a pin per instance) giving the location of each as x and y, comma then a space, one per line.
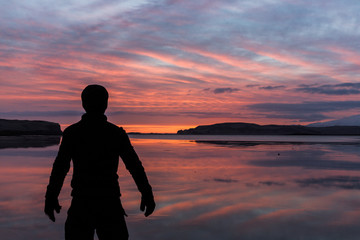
27, 127
347, 121
255, 129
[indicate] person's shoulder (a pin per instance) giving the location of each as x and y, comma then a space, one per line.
118, 133
72, 128
115, 127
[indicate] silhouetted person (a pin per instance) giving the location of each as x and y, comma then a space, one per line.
94, 145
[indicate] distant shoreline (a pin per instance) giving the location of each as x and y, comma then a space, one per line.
37, 127
255, 129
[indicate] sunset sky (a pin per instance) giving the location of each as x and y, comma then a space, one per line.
170, 65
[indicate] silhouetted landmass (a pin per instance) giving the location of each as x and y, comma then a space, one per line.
27, 127
255, 129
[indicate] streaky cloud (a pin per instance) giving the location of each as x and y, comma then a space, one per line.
225, 180
301, 117
334, 89
272, 183
225, 90
306, 107
41, 113
273, 87
168, 51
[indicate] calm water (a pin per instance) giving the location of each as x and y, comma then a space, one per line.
220, 187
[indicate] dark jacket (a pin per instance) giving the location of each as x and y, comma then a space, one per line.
94, 145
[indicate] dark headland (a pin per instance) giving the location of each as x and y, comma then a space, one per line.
28, 127
255, 129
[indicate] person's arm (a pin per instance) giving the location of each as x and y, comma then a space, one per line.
134, 166
60, 168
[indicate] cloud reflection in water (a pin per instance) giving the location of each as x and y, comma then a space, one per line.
206, 191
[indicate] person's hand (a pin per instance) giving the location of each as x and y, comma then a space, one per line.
148, 203
51, 204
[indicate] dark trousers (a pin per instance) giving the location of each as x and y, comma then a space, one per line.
103, 215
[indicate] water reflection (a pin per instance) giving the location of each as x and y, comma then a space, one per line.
206, 191
345, 182
28, 141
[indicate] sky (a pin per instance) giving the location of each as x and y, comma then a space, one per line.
172, 64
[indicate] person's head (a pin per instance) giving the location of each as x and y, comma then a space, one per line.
94, 99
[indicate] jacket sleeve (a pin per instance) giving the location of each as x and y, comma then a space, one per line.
60, 168
134, 165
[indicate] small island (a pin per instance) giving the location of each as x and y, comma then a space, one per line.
255, 129
28, 127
